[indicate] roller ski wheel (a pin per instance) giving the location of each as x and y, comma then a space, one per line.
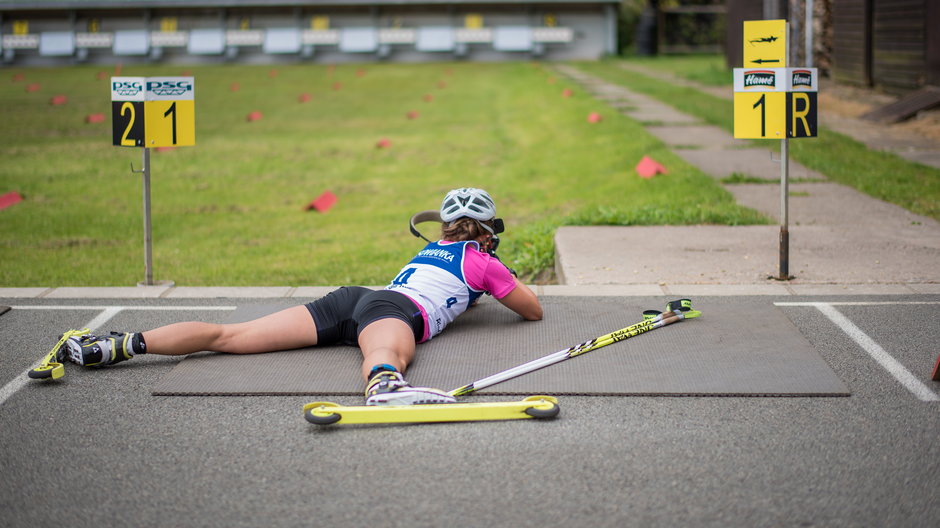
319, 413
547, 408
51, 370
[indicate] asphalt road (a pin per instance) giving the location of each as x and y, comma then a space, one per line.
96, 449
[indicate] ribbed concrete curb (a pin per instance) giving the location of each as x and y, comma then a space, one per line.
598, 290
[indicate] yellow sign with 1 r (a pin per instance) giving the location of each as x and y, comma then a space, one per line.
775, 103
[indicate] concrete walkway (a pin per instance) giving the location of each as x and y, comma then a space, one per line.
840, 239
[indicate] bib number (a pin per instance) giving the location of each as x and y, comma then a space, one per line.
402, 278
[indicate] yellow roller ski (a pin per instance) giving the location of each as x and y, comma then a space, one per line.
50, 368
326, 413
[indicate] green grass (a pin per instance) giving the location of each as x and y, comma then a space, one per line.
709, 70
740, 178
229, 211
843, 160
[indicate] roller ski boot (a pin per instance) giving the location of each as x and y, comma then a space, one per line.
390, 388
98, 351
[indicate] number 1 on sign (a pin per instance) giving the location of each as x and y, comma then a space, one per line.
760, 115
763, 116
172, 110
170, 123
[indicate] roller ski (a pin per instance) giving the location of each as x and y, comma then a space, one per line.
50, 367
327, 413
390, 399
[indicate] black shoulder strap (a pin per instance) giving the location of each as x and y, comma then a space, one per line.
424, 216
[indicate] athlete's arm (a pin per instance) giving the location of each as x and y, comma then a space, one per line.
523, 301
490, 274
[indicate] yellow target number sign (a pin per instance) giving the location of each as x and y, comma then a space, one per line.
760, 115
169, 123
153, 111
775, 103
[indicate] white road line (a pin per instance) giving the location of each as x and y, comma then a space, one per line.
107, 312
896, 369
103, 318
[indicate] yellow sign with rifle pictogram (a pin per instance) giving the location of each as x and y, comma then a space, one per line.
765, 44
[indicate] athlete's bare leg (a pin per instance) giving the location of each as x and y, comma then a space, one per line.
389, 341
284, 330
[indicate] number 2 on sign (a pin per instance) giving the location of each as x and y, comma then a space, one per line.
125, 141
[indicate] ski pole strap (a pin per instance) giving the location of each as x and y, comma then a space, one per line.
679, 304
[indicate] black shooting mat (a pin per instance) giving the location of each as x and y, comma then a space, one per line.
731, 350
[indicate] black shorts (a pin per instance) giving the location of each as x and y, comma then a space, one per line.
343, 313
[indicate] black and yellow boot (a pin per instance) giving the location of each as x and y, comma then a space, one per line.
95, 351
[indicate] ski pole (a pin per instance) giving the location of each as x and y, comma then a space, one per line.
678, 310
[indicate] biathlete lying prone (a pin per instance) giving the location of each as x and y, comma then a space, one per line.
436, 286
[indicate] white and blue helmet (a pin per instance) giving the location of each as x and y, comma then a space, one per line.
470, 202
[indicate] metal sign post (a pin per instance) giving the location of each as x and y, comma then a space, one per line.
808, 32
784, 268
148, 238
784, 211
152, 112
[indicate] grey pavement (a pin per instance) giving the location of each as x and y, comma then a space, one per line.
95, 449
